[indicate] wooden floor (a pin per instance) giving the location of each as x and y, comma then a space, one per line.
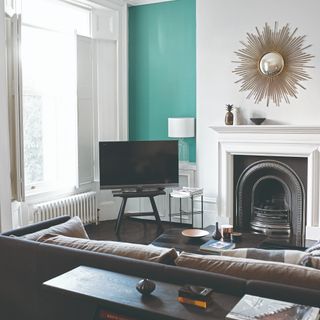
132, 230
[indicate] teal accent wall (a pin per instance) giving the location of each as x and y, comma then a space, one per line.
162, 68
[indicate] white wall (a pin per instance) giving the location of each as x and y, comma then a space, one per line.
5, 187
221, 24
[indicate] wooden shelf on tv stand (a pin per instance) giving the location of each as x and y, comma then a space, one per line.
138, 193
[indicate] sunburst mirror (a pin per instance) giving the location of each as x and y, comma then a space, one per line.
272, 64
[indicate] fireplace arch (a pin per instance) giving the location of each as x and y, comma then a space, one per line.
270, 199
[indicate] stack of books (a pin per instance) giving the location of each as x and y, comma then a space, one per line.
186, 192
195, 295
253, 307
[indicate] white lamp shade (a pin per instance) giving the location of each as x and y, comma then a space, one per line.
181, 127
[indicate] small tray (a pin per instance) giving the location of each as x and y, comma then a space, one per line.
194, 233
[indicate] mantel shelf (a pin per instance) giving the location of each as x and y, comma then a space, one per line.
267, 129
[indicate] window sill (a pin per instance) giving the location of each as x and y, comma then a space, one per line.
35, 198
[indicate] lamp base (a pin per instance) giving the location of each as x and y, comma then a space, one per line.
183, 151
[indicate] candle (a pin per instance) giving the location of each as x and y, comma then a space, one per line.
227, 229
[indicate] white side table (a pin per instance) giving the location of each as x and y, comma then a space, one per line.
192, 212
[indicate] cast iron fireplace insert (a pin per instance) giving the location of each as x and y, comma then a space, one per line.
270, 197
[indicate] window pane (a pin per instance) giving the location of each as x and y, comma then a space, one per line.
33, 138
49, 110
57, 15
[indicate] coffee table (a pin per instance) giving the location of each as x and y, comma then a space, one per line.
115, 294
173, 238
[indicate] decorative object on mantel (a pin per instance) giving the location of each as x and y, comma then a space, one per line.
228, 120
216, 235
236, 116
257, 121
273, 64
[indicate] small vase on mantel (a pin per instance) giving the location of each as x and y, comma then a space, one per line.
228, 120
217, 234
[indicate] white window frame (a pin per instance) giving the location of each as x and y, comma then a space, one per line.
122, 95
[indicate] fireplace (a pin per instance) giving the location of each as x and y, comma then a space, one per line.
290, 175
270, 196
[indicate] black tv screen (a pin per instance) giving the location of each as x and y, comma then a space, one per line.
138, 164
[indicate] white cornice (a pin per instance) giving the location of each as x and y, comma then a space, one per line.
267, 129
142, 2
111, 4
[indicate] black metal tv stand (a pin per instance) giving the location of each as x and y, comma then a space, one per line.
137, 193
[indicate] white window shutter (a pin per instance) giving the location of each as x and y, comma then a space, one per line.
15, 106
86, 110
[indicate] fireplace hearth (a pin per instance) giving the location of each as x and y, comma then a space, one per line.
270, 197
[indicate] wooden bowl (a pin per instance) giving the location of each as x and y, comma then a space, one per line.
194, 233
257, 121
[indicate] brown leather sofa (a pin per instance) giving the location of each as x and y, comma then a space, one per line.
25, 265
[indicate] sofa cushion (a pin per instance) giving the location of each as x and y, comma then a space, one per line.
130, 250
314, 262
71, 228
314, 251
287, 256
251, 269
314, 247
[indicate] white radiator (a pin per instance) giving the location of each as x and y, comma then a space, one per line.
83, 205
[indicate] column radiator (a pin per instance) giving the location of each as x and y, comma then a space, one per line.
83, 205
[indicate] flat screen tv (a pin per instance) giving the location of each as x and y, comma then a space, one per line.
138, 164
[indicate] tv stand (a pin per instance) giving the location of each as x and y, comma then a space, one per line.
125, 195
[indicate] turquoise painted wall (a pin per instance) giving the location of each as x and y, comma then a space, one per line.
162, 68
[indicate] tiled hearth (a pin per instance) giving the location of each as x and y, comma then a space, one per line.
299, 189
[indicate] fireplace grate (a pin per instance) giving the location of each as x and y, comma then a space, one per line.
271, 221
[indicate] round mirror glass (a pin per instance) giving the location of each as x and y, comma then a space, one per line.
271, 64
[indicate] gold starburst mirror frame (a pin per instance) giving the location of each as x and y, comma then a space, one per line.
272, 64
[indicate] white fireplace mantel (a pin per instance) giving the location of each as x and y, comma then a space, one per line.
270, 140
267, 129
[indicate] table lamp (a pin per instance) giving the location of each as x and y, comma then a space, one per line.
181, 128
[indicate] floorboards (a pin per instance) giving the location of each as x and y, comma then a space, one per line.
132, 230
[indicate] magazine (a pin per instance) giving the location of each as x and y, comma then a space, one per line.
216, 246
253, 307
187, 192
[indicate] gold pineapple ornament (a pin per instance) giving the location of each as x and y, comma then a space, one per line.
228, 120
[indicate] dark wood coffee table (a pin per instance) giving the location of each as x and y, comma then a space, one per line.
116, 293
173, 238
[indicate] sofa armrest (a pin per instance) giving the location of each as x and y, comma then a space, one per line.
36, 227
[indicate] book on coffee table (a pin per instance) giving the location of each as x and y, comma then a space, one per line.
216, 246
195, 295
253, 307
